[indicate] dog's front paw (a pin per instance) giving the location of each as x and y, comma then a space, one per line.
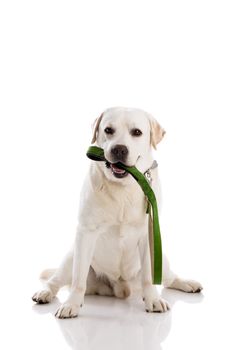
67, 310
44, 296
156, 305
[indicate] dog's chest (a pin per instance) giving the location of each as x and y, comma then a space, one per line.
126, 208
123, 220
116, 251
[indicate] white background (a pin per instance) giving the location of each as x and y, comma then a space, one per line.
61, 64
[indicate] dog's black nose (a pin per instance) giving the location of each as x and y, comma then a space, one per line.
119, 152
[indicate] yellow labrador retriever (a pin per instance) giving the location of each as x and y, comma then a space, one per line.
111, 249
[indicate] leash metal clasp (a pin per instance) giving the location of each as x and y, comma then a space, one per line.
148, 176
148, 172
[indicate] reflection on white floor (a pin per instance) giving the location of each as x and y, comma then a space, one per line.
110, 323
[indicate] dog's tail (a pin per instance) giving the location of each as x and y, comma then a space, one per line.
46, 274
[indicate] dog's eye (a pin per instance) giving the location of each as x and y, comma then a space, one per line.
136, 132
109, 131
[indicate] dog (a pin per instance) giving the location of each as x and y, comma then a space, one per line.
111, 249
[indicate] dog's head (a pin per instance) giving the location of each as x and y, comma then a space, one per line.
126, 135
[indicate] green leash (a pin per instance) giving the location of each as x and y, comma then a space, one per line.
97, 154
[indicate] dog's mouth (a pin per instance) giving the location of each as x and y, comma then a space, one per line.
117, 172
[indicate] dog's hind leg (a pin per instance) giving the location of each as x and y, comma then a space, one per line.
121, 289
54, 279
57, 278
101, 285
171, 280
98, 284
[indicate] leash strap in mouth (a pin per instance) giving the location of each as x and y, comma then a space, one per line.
97, 154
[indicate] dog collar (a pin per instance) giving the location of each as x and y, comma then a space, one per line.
144, 181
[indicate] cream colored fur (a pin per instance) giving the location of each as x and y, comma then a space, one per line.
111, 249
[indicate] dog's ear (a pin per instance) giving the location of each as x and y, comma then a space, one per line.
95, 128
156, 132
